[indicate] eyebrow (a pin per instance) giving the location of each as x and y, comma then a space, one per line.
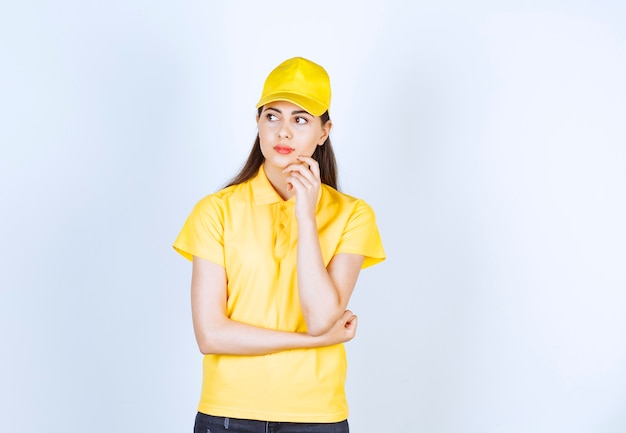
292, 113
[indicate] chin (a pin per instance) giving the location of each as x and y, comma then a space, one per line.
281, 162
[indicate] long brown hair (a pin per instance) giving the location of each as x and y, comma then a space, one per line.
324, 155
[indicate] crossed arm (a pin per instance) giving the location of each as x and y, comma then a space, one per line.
324, 291
332, 324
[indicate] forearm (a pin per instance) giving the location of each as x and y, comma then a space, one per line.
319, 298
228, 337
216, 333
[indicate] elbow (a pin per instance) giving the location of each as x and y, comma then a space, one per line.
211, 337
316, 332
209, 345
210, 349
319, 324
206, 349
319, 328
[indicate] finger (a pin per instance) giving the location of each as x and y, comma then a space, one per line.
309, 160
303, 181
297, 182
314, 166
304, 171
351, 328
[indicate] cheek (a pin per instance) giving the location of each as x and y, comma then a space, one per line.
263, 145
311, 149
264, 136
265, 128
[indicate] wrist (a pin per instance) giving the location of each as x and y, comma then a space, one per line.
307, 223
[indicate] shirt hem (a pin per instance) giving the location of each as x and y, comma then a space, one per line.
272, 416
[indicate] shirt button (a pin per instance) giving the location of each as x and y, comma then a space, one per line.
282, 226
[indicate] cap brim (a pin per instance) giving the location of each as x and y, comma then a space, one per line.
311, 106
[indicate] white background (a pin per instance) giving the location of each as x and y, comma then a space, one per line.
490, 138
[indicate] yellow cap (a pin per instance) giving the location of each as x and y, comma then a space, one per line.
301, 82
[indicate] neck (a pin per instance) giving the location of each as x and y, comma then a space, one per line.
278, 180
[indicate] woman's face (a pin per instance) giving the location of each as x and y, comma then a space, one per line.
286, 131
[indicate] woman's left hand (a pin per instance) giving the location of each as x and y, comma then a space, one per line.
304, 179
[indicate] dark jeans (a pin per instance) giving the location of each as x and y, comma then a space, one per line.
217, 424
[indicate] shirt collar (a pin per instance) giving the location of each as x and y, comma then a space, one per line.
263, 191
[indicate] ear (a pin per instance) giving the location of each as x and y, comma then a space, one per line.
325, 132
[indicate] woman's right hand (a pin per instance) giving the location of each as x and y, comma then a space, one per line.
342, 331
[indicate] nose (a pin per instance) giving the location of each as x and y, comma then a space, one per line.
284, 131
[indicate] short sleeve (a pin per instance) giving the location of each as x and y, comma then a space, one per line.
202, 234
361, 235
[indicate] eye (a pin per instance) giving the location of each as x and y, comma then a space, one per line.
301, 120
271, 117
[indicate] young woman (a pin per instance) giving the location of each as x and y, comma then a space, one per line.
276, 256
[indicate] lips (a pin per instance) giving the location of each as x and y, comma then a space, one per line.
284, 150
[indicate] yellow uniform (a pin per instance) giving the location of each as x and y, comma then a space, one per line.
252, 232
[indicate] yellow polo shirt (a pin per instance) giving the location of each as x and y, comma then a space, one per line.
252, 232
